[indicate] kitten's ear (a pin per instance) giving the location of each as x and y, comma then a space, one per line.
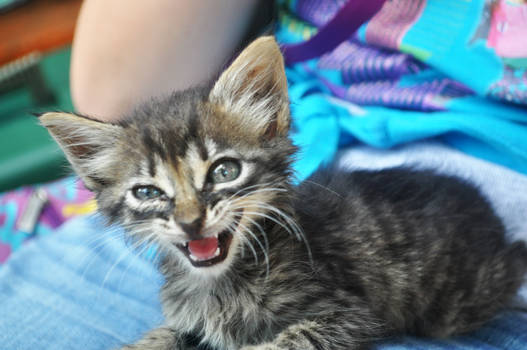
89, 145
254, 89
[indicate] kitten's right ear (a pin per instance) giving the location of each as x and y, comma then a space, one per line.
254, 89
89, 144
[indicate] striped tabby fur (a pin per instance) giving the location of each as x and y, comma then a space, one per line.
337, 262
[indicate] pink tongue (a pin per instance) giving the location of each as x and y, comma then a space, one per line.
203, 249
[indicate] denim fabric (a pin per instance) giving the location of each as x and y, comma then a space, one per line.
76, 290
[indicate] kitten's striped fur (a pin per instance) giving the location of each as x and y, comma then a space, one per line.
336, 263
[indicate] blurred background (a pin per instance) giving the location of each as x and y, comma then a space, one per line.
35, 47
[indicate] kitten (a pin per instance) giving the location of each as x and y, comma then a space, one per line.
252, 262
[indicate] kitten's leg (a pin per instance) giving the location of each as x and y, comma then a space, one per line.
162, 338
333, 332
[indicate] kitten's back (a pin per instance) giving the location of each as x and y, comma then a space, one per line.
427, 250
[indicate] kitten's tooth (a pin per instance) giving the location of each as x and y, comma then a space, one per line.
217, 252
193, 257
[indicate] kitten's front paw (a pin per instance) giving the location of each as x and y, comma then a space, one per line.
162, 338
266, 346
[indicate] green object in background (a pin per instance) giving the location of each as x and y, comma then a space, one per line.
6, 5
27, 152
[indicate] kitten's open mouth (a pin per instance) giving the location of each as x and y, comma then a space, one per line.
208, 251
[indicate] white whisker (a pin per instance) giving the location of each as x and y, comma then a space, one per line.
266, 256
233, 231
290, 225
324, 187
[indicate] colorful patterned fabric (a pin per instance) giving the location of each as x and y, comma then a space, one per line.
66, 198
417, 69
478, 43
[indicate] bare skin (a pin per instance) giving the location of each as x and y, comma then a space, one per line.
127, 51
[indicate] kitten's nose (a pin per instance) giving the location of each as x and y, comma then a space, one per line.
193, 228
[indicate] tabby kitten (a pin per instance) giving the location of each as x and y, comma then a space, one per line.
252, 262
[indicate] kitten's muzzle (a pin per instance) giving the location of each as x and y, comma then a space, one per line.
213, 250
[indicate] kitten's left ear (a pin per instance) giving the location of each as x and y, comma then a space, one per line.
254, 89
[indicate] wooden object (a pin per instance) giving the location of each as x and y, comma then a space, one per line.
39, 25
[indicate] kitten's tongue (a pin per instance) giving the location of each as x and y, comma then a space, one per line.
203, 249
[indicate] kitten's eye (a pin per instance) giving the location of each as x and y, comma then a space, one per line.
225, 171
147, 192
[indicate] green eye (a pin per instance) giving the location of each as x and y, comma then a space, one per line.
225, 171
147, 192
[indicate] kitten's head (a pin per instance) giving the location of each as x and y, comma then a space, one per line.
196, 172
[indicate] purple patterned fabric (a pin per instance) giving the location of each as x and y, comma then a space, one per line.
373, 77
388, 26
318, 12
427, 96
340, 28
480, 43
385, 29
359, 62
